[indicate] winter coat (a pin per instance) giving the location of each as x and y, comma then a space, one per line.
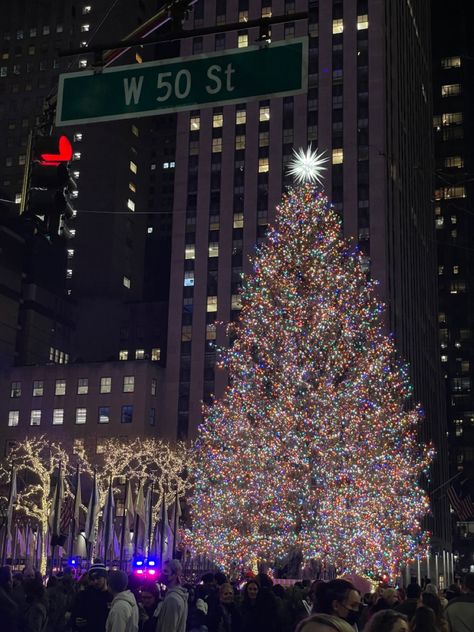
172, 612
460, 613
123, 615
93, 606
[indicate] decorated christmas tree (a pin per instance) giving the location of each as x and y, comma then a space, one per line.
313, 447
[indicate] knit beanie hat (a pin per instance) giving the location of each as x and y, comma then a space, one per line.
97, 570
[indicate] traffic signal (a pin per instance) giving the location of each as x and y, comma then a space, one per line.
50, 185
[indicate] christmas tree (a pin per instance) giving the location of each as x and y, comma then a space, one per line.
314, 444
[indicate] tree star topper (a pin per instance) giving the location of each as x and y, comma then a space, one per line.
307, 166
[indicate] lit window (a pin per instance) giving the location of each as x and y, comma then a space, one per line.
264, 114
455, 269
186, 333
128, 383
104, 415
189, 278
454, 162
195, 123
238, 220
450, 62
149, 230
444, 358
214, 222
86, 9
217, 120
76, 155
58, 416
123, 355
83, 63
211, 304
133, 167
243, 16
267, 12
213, 249
452, 118
240, 142
263, 139
337, 156
85, 28
35, 418
126, 282
13, 417
440, 270
131, 204
451, 90
242, 40
337, 26
82, 386
127, 415
60, 388
190, 251
138, 58
15, 390
139, 354
439, 223
105, 384
132, 187
236, 301
362, 22
155, 354
38, 388
216, 145
263, 165
458, 286
69, 273
81, 415
241, 117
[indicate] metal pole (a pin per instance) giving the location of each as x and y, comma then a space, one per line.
122, 538
175, 525
150, 519
162, 529
26, 173
7, 524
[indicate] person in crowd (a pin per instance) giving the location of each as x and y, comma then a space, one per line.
220, 579
424, 620
258, 608
409, 606
323, 623
452, 591
229, 618
91, 606
57, 605
285, 615
148, 602
339, 598
172, 612
387, 620
123, 615
430, 600
9, 611
460, 610
35, 615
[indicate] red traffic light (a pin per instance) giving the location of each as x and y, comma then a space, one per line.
54, 151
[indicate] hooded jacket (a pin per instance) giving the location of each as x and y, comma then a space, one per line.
172, 612
123, 615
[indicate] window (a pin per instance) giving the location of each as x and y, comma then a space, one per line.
15, 390
33, 32
362, 22
218, 120
210, 331
455, 269
267, 12
105, 384
458, 286
82, 386
81, 415
155, 354
337, 26
126, 282
128, 383
127, 415
454, 162
153, 386
77, 137
240, 117
216, 145
447, 193
123, 355
213, 249
240, 142
452, 118
85, 28
195, 123
264, 139
131, 204
337, 156
450, 62
35, 418
264, 113
186, 333
86, 9
238, 220
151, 417
212, 304
133, 167
451, 90
263, 165
132, 187
58, 416
139, 354
242, 40
13, 417
83, 63
38, 388
60, 388
236, 301
190, 251
104, 415
189, 278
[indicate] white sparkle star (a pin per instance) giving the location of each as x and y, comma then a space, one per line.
307, 166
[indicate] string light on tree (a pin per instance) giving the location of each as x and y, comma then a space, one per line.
314, 444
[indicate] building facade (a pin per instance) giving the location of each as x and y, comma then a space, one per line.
453, 125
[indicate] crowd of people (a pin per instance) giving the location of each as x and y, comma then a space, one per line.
112, 601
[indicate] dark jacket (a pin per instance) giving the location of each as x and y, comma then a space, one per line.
93, 606
460, 613
408, 608
9, 611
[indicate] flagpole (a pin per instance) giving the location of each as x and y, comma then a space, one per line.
107, 525
122, 538
162, 528
73, 522
137, 518
56, 520
150, 520
7, 525
175, 525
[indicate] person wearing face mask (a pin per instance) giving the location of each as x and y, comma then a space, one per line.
172, 612
340, 599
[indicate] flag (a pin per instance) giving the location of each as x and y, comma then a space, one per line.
128, 505
77, 503
21, 543
462, 506
164, 532
92, 513
67, 513
174, 523
108, 520
140, 522
12, 498
148, 518
54, 521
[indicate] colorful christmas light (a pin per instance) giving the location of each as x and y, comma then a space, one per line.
314, 444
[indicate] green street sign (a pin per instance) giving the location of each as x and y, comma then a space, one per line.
184, 83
